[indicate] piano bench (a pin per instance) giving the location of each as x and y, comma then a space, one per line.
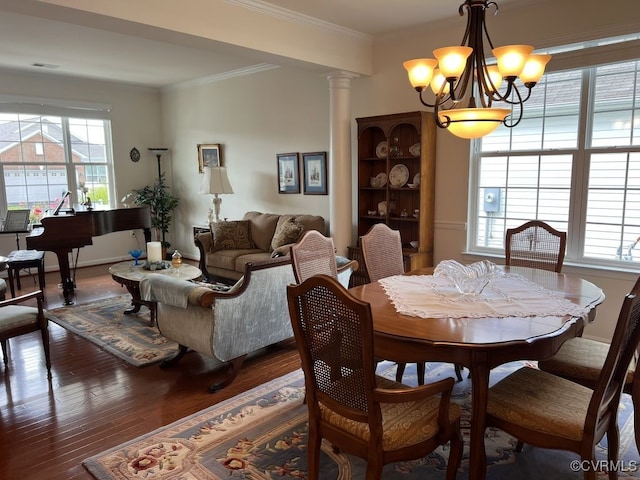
20, 260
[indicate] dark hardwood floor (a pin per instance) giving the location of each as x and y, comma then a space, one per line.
95, 400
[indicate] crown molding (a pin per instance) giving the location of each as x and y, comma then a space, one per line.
298, 18
260, 67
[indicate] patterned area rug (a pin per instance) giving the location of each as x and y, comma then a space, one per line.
262, 435
127, 336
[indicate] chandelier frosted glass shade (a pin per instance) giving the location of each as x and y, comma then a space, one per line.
473, 122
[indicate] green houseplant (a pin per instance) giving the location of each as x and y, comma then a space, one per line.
161, 203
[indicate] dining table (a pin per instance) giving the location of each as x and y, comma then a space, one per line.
522, 314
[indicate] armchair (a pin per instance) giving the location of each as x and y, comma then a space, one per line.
226, 326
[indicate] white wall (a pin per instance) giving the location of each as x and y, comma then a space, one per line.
135, 119
253, 118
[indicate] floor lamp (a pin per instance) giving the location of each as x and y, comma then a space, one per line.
158, 151
215, 182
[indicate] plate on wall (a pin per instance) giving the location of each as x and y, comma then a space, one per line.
415, 149
382, 149
399, 175
416, 179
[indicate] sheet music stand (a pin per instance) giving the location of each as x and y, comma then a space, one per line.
16, 221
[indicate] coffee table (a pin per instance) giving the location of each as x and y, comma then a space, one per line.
129, 275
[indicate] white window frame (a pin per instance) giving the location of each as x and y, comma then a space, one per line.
65, 110
570, 60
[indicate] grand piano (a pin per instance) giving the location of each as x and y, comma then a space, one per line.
62, 233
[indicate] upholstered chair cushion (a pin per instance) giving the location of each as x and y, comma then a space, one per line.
404, 424
15, 316
581, 358
541, 401
286, 233
231, 235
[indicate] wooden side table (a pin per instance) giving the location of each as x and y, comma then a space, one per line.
129, 275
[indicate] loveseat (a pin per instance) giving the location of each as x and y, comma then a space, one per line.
230, 245
226, 326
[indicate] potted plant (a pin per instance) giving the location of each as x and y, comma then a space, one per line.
161, 203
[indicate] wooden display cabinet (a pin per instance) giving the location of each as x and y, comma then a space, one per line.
409, 153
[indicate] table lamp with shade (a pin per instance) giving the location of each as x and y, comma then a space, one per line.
215, 182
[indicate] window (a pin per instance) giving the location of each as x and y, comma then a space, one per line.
573, 162
44, 156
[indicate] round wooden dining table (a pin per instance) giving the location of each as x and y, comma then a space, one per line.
479, 344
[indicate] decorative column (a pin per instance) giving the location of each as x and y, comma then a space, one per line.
340, 198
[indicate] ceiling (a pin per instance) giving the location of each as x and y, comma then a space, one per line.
77, 43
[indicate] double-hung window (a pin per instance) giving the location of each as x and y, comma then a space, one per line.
46, 151
573, 162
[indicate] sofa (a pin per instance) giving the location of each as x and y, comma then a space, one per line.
224, 325
230, 245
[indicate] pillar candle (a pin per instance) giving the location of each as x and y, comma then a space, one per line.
154, 251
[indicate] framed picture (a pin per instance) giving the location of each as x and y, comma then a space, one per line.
315, 173
288, 173
209, 155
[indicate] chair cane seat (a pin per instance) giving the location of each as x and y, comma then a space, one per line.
581, 359
542, 402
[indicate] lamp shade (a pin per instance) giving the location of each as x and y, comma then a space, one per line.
216, 180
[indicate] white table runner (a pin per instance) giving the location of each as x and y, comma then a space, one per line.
508, 295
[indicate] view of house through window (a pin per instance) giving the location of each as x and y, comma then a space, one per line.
43, 157
573, 162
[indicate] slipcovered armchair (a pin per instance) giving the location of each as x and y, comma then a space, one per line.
226, 326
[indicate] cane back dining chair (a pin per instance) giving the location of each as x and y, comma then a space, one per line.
535, 244
315, 254
358, 412
549, 411
382, 254
17, 319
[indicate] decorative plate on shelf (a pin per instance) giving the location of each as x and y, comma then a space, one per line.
416, 179
399, 175
415, 149
381, 149
380, 180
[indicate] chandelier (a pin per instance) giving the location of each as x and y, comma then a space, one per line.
460, 78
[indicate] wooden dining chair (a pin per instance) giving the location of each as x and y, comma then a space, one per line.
18, 319
382, 255
315, 254
581, 360
549, 411
535, 244
377, 419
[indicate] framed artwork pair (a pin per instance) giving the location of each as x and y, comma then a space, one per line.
314, 173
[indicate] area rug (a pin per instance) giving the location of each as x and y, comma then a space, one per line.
262, 434
128, 337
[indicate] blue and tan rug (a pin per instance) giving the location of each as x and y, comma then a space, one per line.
262, 435
128, 337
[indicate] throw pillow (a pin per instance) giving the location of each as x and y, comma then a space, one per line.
287, 232
231, 235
